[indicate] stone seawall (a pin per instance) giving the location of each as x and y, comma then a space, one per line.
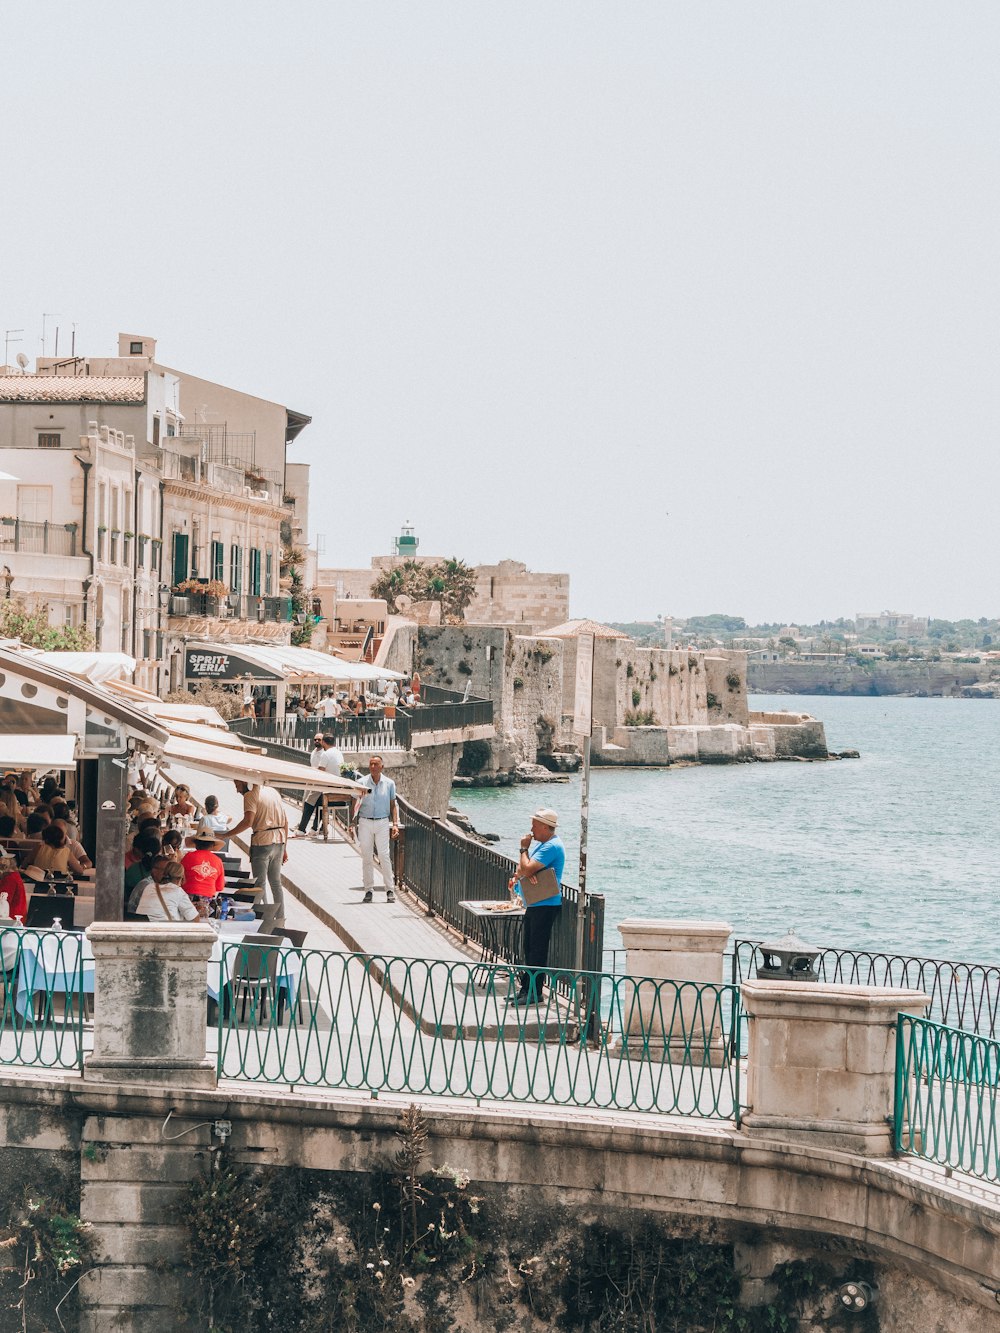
768, 736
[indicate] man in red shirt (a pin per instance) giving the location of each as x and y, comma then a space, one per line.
204, 873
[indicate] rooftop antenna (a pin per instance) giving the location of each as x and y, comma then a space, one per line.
7, 340
50, 315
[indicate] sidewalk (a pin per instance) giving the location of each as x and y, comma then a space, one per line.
325, 879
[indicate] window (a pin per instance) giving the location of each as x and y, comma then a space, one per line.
135, 349
34, 504
156, 432
218, 561
140, 551
255, 572
236, 569
267, 574
180, 557
49, 439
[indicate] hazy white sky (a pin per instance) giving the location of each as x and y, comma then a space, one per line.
696, 301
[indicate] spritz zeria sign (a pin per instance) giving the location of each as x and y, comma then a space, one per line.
214, 665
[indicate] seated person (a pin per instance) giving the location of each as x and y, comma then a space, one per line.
148, 828
75, 846
213, 822
183, 806
161, 897
55, 854
146, 847
173, 844
8, 826
50, 789
12, 885
204, 873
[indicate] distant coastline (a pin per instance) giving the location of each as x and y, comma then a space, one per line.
944, 679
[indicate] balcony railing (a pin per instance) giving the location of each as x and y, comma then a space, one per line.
233, 606
18, 534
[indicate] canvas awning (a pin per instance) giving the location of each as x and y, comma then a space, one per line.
246, 663
249, 767
95, 667
36, 752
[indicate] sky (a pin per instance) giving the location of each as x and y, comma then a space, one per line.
695, 301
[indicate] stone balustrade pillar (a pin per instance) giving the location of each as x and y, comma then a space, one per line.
150, 1004
681, 1021
821, 1062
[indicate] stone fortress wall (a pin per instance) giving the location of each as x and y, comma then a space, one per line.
651, 706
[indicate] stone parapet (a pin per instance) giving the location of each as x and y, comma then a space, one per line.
689, 953
821, 1062
150, 1002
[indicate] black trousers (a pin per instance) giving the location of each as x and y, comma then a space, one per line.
538, 923
307, 810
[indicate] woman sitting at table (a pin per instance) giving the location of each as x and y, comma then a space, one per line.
162, 896
75, 846
204, 873
55, 854
173, 844
183, 806
12, 885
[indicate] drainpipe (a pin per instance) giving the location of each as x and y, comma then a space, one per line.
161, 628
135, 561
86, 466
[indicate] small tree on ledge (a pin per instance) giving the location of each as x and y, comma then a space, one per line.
31, 626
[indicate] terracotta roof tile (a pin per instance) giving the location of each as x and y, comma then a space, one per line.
572, 629
72, 389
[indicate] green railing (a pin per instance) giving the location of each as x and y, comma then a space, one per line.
311, 1018
947, 1090
45, 976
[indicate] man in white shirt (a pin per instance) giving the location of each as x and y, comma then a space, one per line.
377, 825
328, 706
330, 759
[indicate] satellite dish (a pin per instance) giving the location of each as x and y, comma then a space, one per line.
22, 361
403, 603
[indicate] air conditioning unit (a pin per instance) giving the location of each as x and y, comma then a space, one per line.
180, 606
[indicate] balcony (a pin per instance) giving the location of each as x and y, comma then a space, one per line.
17, 534
235, 606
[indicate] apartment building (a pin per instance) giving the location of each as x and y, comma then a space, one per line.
125, 516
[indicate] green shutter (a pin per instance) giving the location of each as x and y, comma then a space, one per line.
180, 557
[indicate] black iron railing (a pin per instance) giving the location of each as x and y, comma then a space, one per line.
374, 731
449, 716
18, 534
231, 606
963, 995
443, 868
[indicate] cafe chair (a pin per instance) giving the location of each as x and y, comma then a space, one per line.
44, 908
254, 976
296, 938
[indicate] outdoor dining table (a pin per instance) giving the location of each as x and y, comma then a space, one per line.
499, 942
62, 962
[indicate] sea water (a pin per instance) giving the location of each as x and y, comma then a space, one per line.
897, 850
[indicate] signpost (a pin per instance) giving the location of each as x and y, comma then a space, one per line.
583, 721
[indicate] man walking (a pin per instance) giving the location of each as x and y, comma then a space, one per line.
330, 759
379, 821
541, 849
264, 815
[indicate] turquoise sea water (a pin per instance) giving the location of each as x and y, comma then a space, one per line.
898, 850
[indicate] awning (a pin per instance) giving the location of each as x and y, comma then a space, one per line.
194, 731
255, 768
168, 713
95, 667
36, 752
247, 663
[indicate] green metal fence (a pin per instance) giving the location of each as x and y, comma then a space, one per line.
947, 1090
305, 1017
45, 976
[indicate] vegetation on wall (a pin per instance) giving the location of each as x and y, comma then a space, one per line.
291, 577
225, 702
31, 626
410, 1249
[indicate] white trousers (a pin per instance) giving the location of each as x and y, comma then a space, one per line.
374, 834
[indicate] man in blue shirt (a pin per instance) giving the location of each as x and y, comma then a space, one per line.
540, 850
375, 812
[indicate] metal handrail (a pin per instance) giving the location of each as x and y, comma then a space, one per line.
41, 1018
946, 1097
444, 868
963, 995
428, 1026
